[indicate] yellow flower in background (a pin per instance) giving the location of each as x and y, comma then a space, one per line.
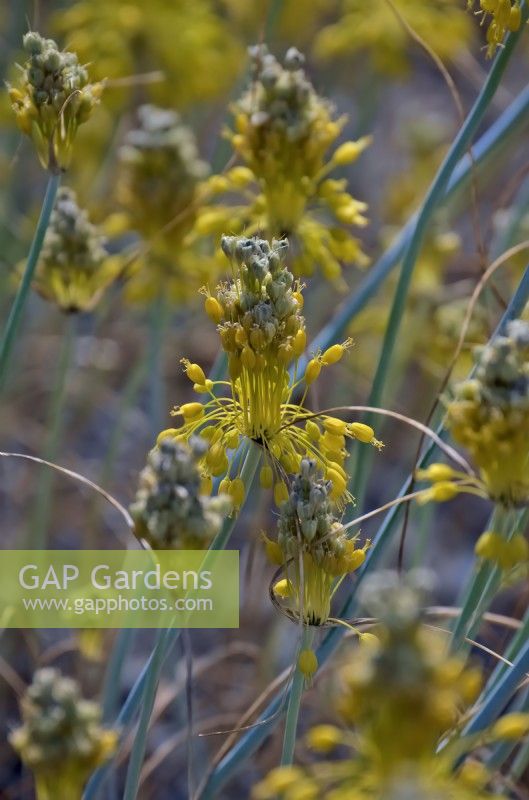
314, 546
262, 331
374, 29
176, 54
400, 695
500, 16
283, 133
158, 188
74, 268
61, 739
488, 414
54, 97
189, 42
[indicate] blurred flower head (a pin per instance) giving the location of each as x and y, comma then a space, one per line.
61, 739
283, 132
170, 510
74, 267
53, 98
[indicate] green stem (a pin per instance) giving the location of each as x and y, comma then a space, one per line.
294, 702
483, 586
40, 518
21, 296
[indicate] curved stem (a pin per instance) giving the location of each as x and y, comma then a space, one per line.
21, 296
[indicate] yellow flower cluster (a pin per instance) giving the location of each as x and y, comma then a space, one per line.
403, 694
158, 189
489, 416
262, 331
189, 43
283, 132
74, 268
504, 553
53, 99
375, 29
502, 16
61, 739
313, 547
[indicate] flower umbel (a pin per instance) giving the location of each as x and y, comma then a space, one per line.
283, 132
489, 415
53, 99
314, 545
262, 330
170, 511
61, 739
74, 268
158, 186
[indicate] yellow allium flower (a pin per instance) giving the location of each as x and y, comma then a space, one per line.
501, 16
158, 188
283, 133
74, 268
53, 99
375, 30
262, 332
314, 545
61, 739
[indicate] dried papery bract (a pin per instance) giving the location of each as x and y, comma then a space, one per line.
54, 97
262, 330
61, 739
74, 267
283, 131
171, 511
158, 189
314, 546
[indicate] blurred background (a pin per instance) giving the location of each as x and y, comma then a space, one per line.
91, 390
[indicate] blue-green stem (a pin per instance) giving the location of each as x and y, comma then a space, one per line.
150, 675
15, 315
54, 425
294, 703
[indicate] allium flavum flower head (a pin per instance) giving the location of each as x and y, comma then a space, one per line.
74, 268
54, 97
377, 32
170, 511
158, 187
262, 330
283, 132
314, 546
489, 416
501, 17
401, 693
61, 739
